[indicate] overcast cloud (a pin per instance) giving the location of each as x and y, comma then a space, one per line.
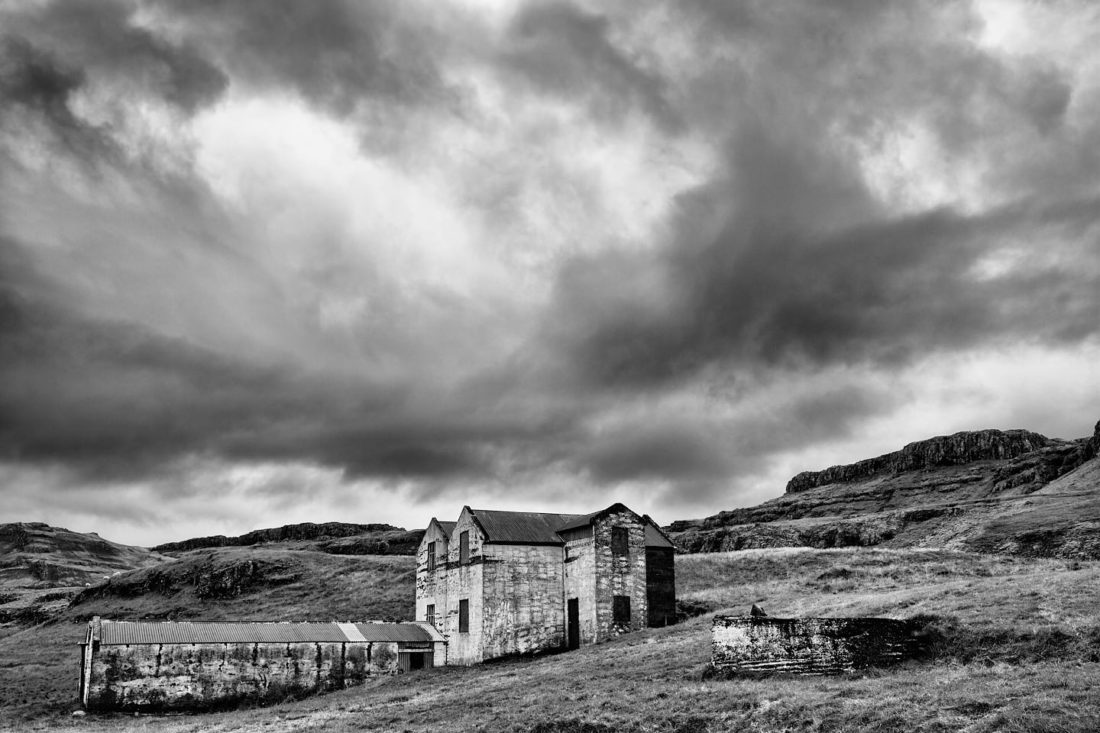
268, 262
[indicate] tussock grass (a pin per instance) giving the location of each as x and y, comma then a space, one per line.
1004, 660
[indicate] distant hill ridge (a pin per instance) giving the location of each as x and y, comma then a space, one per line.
942, 450
340, 538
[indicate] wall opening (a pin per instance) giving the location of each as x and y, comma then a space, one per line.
620, 611
620, 541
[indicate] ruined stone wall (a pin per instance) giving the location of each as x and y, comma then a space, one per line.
522, 608
204, 676
580, 580
464, 581
660, 570
809, 645
619, 575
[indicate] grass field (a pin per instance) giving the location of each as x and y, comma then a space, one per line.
1019, 650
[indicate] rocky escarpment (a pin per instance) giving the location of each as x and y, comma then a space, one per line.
332, 537
983, 491
943, 450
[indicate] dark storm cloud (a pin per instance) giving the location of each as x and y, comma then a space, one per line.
884, 293
104, 42
250, 318
565, 51
332, 52
34, 82
116, 400
788, 259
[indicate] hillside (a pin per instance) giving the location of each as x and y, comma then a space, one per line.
42, 567
1030, 665
990, 491
257, 584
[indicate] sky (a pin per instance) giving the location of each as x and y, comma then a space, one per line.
271, 261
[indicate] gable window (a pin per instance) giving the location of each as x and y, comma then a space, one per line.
464, 616
429, 614
464, 548
431, 556
620, 541
620, 611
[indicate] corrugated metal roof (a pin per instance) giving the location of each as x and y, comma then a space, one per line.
526, 527
168, 632
447, 527
394, 632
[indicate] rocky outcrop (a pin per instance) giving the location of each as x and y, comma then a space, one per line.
856, 532
943, 450
210, 578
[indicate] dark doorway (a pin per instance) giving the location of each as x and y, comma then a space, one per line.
574, 624
412, 661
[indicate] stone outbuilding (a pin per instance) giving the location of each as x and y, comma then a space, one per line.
759, 643
499, 583
155, 666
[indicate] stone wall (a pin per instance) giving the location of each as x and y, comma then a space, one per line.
809, 645
619, 575
154, 677
522, 610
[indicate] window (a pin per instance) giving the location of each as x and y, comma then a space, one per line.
464, 548
464, 616
431, 556
620, 611
429, 614
620, 541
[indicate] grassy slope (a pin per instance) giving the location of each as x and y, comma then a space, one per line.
39, 667
1025, 660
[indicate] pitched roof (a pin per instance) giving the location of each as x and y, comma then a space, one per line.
169, 632
654, 536
539, 528
529, 528
447, 527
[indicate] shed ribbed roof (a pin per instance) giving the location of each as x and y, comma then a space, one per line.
168, 632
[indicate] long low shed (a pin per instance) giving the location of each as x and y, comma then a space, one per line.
132, 665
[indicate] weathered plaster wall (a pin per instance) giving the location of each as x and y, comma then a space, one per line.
619, 575
809, 645
464, 581
580, 580
431, 587
198, 676
522, 609
660, 570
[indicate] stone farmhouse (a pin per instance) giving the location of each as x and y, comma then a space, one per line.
499, 583
157, 666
